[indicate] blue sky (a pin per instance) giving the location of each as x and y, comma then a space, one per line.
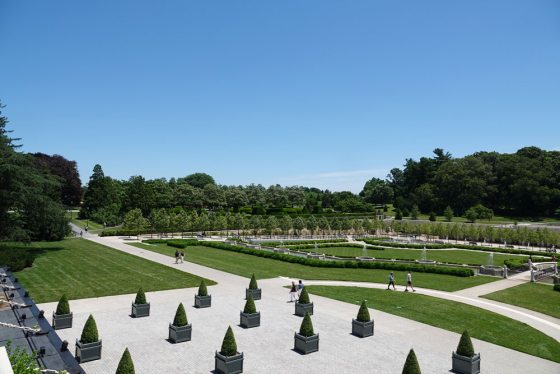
315, 93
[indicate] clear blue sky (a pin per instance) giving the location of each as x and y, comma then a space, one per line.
317, 93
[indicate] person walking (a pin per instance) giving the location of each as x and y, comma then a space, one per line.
177, 256
181, 256
409, 282
391, 281
293, 293
299, 288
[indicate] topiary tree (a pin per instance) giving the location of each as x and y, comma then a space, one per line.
180, 316
202, 290
229, 346
465, 347
62, 307
306, 328
304, 297
250, 307
140, 297
89, 333
253, 283
448, 213
126, 366
411, 364
363, 313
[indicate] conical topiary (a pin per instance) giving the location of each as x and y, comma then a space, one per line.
411, 365
229, 346
250, 307
253, 283
140, 297
363, 313
202, 290
304, 297
306, 328
62, 307
465, 347
89, 333
180, 317
126, 366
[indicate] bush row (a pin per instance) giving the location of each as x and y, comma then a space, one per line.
298, 242
180, 243
330, 245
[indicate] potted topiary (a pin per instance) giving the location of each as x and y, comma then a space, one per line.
306, 341
464, 361
362, 326
411, 364
202, 299
228, 360
253, 289
180, 330
140, 308
62, 317
126, 366
249, 317
88, 348
303, 305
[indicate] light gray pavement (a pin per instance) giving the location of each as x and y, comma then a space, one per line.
268, 348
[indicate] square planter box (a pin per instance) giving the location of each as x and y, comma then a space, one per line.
301, 309
466, 365
228, 365
180, 334
362, 329
88, 351
248, 320
140, 310
255, 293
61, 321
202, 301
306, 345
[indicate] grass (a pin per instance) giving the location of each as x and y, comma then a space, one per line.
534, 296
82, 269
452, 316
452, 256
92, 226
245, 265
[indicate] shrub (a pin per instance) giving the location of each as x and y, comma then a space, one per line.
556, 287
126, 366
306, 328
202, 290
398, 214
304, 297
89, 333
229, 346
465, 347
411, 364
250, 307
363, 313
63, 307
253, 283
180, 316
140, 297
432, 217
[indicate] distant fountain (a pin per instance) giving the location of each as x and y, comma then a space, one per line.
491, 259
424, 257
316, 245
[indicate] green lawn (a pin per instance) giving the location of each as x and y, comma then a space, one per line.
83, 269
453, 256
534, 296
245, 265
452, 316
82, 223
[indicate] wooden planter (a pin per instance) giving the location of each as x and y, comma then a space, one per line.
202, 301
228, 365
362, 329
140, 310
179, 334
464, 364
88, 351
248, 320
62, 321
301, 309
305, 344
256, 293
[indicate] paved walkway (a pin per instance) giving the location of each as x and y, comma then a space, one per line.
268, 348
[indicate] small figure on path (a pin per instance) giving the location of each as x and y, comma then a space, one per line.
293, 293
182, 256
176, 256
81, 233
409, 282
299, 288
391, 281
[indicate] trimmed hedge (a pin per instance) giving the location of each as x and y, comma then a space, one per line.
304, 297
301, 242
411, 365
202, 289
180, 319
126, 366
250, 307
62, 307
89, 333
253, 283
140, 297
229, 346
363, 313
183, 243
465, 347
331, 245
306, 328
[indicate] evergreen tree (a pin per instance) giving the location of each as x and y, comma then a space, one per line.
229, 346
411, 365
180, 319
126, 366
